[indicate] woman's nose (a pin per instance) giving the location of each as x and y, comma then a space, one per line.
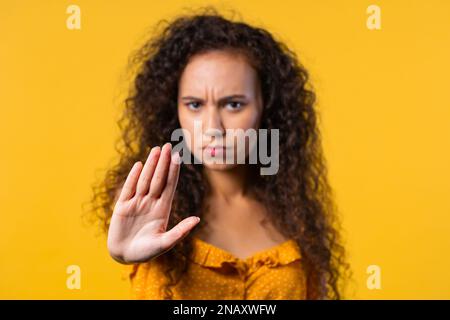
213, 125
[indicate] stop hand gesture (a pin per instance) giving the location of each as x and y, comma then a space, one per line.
137, 231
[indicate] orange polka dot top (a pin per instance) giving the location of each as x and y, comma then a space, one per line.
214, 273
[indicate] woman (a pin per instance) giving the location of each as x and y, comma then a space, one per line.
220, 230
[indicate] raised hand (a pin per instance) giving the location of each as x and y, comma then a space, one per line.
137, 230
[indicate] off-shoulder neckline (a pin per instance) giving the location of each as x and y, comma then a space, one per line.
289, 243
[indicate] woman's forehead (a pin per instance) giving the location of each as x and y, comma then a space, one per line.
220, 71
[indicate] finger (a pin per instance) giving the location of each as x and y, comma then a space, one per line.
172, 179
171, 237
159, 178
129, 186
148, 171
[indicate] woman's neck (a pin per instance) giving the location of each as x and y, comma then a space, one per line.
228, 185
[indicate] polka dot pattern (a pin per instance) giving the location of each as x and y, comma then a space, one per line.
276, 273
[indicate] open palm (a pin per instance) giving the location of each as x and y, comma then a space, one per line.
137, 230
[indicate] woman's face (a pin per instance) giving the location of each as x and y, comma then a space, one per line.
218, 90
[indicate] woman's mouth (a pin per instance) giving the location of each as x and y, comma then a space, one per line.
215, 150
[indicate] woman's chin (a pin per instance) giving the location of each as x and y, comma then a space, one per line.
217, 166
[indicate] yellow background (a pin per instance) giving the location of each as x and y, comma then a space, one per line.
383, 95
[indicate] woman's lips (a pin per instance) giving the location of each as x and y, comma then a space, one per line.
214, 150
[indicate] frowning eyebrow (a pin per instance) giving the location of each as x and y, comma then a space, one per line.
221, 100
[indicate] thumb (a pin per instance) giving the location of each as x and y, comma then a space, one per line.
178, 232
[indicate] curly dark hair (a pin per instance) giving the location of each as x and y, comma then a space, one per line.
298, 197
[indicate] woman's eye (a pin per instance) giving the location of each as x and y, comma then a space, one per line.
193, 105
234, 105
